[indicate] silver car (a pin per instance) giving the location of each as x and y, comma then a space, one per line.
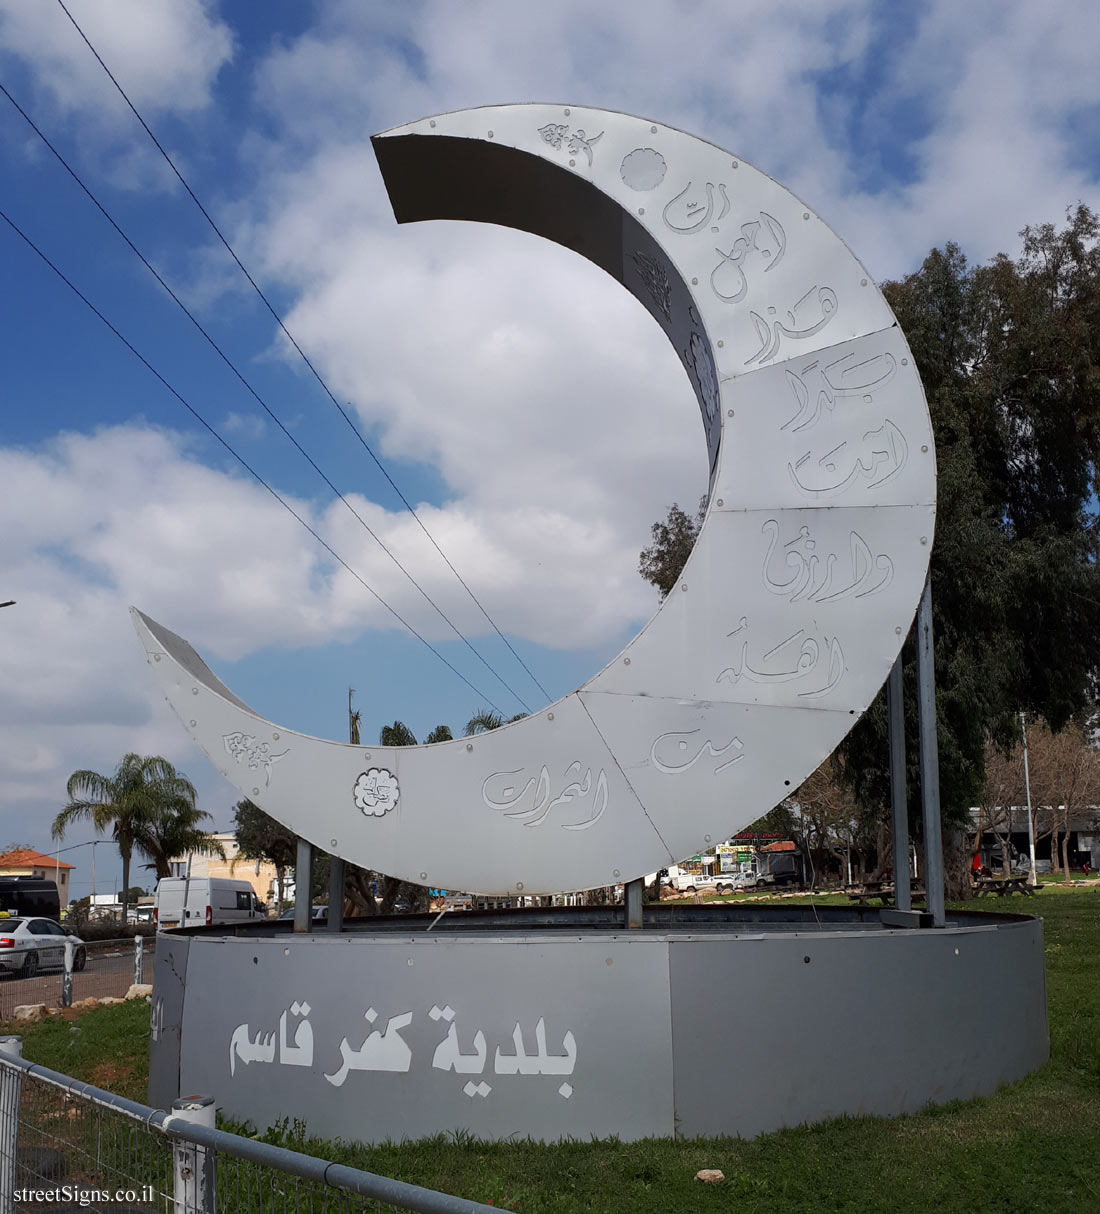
29, 944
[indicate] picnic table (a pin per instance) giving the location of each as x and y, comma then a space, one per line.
882, 891
1003, 886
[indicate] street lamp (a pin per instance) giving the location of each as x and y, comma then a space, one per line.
1032, 878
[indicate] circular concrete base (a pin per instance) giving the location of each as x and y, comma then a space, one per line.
712, 1020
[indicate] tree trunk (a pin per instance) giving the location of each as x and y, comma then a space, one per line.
125, 885
1065, 844
956, 866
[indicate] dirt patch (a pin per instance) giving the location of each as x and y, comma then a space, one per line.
110, 1075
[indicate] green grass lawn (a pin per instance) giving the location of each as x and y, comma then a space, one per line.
1034, 1145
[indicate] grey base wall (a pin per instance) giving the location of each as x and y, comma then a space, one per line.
631, 1033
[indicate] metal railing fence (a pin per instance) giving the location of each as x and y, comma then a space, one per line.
110, 968
65, 1145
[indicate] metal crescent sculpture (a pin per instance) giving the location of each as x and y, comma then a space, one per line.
798, 595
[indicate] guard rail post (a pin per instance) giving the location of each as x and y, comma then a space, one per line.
11, 1087
139, 960
193, 1183
67, 976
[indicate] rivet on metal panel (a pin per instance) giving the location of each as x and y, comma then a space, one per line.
626, 661
863, 282
423, 876
653, 130
490, 134
332, 842
615, 872
905, 362
275, 737
567, 112
519, 885
641, 210
805, 961
469, 745
366, 754
156, 657
898, 631
706, 838
683, 585
787, 783
432, 123
720, 502
192, 724
694, 283
194, 691
572, 163
255, 792
721, 343
735, 164
805, 214
608, 961
956, 952
924, 448
286, 952
410, 961
924, 539
549, 716
729, 412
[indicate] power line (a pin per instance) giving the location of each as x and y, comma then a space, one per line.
263, 404
238, 457
316, 374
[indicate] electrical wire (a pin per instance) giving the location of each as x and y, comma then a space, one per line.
316, 374
252, 391
236, 455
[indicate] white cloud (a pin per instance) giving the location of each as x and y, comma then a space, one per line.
166, 55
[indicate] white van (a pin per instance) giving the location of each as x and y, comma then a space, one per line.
199, 901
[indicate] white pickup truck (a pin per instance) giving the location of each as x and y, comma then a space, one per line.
694, 883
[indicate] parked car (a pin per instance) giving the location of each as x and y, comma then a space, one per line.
317, 913
30, 944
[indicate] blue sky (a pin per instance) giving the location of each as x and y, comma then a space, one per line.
521, 401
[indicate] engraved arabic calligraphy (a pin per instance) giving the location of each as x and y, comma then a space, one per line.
671, 759
797, 572
693, 209
386, 1051
557, 133
799, 656
376, 792
764, 236
256, 754
809, 315
535, 797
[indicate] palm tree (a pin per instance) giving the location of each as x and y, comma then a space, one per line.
485, 719
441, 733
143, 789
397, 734
175, 832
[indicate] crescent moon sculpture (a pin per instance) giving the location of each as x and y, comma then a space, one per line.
795, 601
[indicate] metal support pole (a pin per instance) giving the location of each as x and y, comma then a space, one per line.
895, 718
193, 1183
11, 1088
1032, 878
929, 759
139, 960
632, 898
67, 976
335, 921
303, 879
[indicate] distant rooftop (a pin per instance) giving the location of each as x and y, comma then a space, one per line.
26, 858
